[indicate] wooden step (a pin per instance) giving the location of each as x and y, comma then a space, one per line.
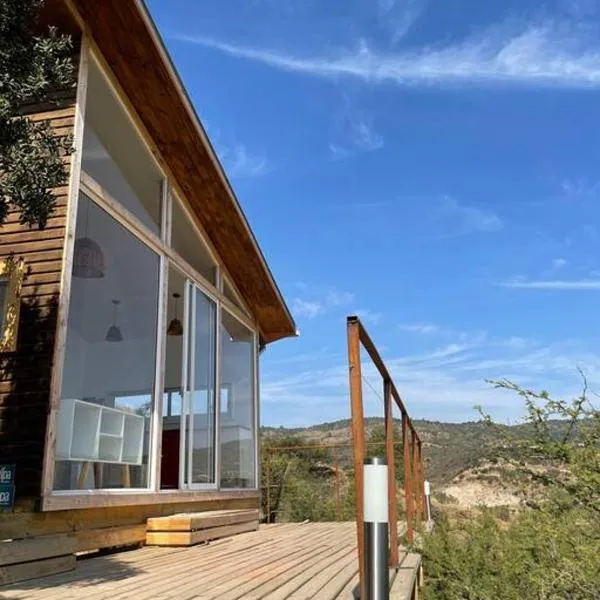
25, 559
188, 529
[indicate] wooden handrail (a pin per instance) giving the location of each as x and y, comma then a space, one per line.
412, 447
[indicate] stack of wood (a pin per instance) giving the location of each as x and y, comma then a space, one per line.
189, 529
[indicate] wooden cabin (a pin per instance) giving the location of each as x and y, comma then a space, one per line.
129, 376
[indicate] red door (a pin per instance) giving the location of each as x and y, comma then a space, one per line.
169, 466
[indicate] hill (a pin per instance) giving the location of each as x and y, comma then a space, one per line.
449, 448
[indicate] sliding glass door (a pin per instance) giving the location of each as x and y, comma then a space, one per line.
199, 416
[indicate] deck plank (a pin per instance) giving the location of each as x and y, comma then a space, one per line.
294, 561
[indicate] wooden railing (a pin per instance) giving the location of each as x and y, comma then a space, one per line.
339, 457
414, 493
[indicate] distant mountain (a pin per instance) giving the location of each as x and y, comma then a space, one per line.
449, 448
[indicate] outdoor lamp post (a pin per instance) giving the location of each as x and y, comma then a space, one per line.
376, 528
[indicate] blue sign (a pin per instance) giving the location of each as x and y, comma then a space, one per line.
7, 495
7, 473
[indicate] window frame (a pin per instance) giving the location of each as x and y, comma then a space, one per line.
81, 182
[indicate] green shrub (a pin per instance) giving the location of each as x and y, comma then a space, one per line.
551, 549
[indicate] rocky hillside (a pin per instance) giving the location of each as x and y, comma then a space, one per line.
449, 448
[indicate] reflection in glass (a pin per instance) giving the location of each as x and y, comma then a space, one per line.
237, 431
107, 388
202, 417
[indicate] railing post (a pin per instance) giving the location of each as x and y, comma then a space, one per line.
391, 463
408, 488
421, 480
268, 478
415, 471
358, 440
337, 485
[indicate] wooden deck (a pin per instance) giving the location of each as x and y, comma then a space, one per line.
313, 560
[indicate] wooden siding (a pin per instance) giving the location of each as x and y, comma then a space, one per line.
25, 374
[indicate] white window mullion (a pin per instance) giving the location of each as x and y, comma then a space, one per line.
155, 457
218, 396
185, 385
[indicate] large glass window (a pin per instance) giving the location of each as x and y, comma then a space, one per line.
104, 418
116, 157
189, 245
237, 424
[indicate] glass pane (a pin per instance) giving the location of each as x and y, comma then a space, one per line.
104, 418
237, 430
189, 245
116, 157
202, 402
172, 401
230, 294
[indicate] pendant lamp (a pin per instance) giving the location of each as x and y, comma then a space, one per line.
175, 326
88, 258
114, 332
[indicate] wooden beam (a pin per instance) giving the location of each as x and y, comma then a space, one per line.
60, 340
372, 351
392, 494
358, 439
201, 520
35, 569
33, 549
107, 499
190, 538
408, 486
110, 537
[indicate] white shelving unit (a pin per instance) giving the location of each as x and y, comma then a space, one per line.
96, 433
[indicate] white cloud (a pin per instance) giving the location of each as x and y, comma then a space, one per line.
398, 16
552, 284
314, 306
425, 328
580, 188
307, 308
548, 53
365, 137
443, 384
461, 219
559, 263
239, 162
354, 133
338, 298
368, 316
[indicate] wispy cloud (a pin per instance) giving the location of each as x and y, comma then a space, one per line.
369, 316
580, 188
240, 162
354, 132
444, 383
318, 301
552, 284
462, 219
399, 16
307, 308
424, 328
559, 263
548, 53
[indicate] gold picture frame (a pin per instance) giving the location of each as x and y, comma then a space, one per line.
12, 272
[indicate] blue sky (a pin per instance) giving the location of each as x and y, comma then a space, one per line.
431, 165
